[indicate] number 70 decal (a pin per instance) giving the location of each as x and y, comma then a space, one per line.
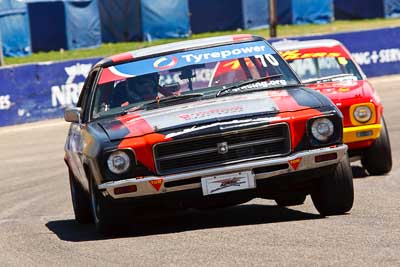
267, 57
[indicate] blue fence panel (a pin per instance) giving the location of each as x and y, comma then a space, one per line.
165, 19
14, 25
120, 20
215, 15
66, 24
356, 9
305, 11
40, 91
392, 8
255, 14
377, 51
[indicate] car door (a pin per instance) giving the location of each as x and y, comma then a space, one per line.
76, 140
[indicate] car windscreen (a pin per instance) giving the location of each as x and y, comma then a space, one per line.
202, 71
315, 63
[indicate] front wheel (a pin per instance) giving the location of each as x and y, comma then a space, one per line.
377, 159
335, 193
80, 201
102, 211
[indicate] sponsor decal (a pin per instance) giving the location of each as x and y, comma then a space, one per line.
297, 54
264, 84
200, 56
67, 94
5, 102
277, 93
235, 181
223, 54
156, 184
377, 56
295, 163
211, 113
165, 63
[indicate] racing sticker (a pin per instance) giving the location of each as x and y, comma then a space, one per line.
295, 163
156, 184
165, 63
212, 112
263, 84
298, 54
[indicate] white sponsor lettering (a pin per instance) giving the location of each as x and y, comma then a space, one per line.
5, 102
223, 54
377, 56
67, 94
264, 84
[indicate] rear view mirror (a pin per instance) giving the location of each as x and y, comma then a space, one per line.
73, 115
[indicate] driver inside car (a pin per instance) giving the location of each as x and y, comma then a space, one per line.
142, 88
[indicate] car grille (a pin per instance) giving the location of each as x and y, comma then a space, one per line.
207, 151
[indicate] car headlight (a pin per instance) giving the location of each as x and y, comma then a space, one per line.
118, 162
322, 129
362, 114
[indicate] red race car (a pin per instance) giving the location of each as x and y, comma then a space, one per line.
327, 66
162, 128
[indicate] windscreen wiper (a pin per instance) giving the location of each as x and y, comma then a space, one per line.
327, 78
244, 83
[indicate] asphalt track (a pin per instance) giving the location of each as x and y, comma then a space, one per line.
37, 226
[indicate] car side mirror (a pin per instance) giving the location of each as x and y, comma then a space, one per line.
73, 115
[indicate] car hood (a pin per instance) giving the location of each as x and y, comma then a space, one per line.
226, 108
339, 91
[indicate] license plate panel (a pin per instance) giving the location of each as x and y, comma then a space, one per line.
218, 184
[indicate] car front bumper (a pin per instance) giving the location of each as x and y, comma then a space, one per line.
361, 133
262, 169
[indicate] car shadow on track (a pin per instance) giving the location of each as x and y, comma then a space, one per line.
248, 214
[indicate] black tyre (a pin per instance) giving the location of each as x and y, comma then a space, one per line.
290, 200
377, 159
334, 194
80, 201
102, 212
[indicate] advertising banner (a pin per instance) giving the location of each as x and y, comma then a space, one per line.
40, 91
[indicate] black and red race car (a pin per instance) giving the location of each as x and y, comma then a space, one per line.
164, 127
327, 67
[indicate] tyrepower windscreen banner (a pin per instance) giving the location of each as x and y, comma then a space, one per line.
376, 51
40, 91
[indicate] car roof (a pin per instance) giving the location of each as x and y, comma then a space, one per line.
176, 47
294, 44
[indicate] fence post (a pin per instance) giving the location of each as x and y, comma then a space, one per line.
272, 18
